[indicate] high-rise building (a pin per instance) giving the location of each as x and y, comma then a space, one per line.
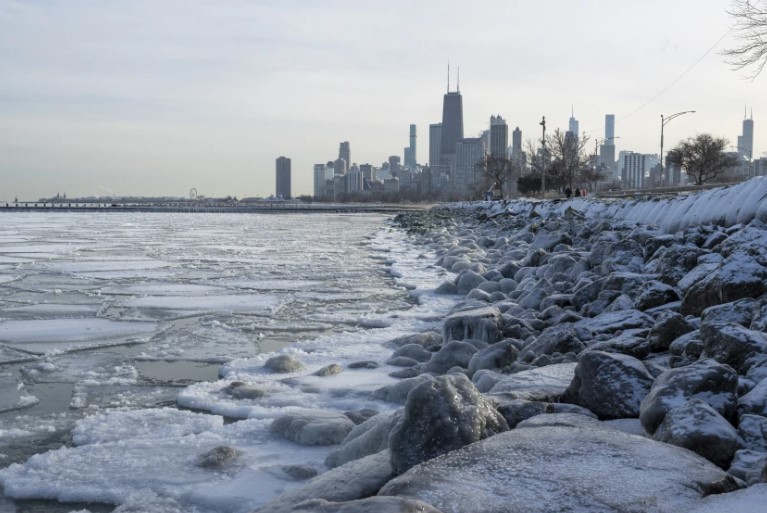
499, 137
411, 157
435, 138
340, 166
607, 149
572, 125
746, 139
635, 167
345, 152
516, 142
394, 165
283, 178
466, 177
610, 127
319, 180
452, 126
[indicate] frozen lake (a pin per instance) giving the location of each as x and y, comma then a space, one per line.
108, 322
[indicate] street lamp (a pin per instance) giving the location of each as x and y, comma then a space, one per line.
543, 159
663, 122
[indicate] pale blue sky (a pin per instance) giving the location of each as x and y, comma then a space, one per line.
154, 97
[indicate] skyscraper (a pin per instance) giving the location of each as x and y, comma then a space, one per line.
499, 137
746, 140
452, 125
607, 149
319, 180
283, 178
609, 127
516, 142
345, 152
411, 157
466, 178
435, 139
573, 124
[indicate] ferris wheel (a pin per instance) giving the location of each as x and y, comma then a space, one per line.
192, 193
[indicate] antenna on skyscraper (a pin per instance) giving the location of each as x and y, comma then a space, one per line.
572, 110
458, 86
752, 113
448, 75
745, 112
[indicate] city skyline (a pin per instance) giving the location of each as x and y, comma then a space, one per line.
207, 97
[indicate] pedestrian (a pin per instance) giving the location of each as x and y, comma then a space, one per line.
577, 193
568, 192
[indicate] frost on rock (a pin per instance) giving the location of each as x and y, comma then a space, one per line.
563, 469
368, 438
481, 323
453, 354
714, 383
440, 416
546, 383
283, 363
494, 357
369, 505
732, 344
610, 385
313, 427
697, 426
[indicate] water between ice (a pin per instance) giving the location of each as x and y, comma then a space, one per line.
109, 321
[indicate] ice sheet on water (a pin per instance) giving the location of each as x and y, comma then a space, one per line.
8, 355
241, 303
12, 394
50, 310
5, 278
69, 330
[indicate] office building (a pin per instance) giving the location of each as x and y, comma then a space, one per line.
283, 178
394, 165
572, 125
466, 178
319, 181
435, 138
345, 152
499, 137
411, 157
452, 126
607, 149
746, 139
340, 166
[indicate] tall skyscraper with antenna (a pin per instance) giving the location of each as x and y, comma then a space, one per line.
746, 139
452, 124
573, 125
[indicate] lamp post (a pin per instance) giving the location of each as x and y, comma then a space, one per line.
663, 122
543, 159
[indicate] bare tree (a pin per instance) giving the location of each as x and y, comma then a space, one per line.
569, 158
750, 29
593, 175
703, 157
497, 172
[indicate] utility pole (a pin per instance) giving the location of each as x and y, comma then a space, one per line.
543, 159
663, 122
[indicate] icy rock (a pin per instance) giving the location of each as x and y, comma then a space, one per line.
620, 303
586, 292
676, 261
467, 281
360, 416
708, 380
313, 427
440, 416
755, 401
698, 427
283, 363
740, 276
655, 293
732, 344
299, 472
567, 419
625, 343
540, 384
739, 312
600, 304
518, 410
456, 353
616, 321
368, 438
364, 364
563, 469
495, 356
481, 323
357, 479
401, 361
329, 370
625, 282
668, 326
429, 340
397, 393
446, 288
479, 295
610, 385
753, 432
369, 505
561, 338
219, 458
748, 465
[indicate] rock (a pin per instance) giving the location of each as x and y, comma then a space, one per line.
747, 465
708, 380
368, 438
283, 363
575, 420
455, 353
481, 323
612, 322
299, 472
313, 427
654, 293
753, 432
518, 410
360, 416
415, 351
625, 343
755, 401
668, 326
561, 338
610, 385
219, 458
495, 356
540, 384
369, 505
739, 312
240, 390
440, 416
357, 479
401, 361
549, 469
366, 364
397, 393
429, 340
468, 280
406, 372
698, 427
329, 370
732, 344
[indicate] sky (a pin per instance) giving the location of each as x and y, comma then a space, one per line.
154, 97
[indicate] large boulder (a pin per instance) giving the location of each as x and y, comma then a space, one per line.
753, 432
519, 410
655, 293
440, 416
480, 323
668, 326
454, 354
468, 280
495, 356
313, 427
561, 338
397, 393
368, 438
283, 363
755, 401
546, 469
358, 479
609, 384
546, 383
429, 340
612, 322
732, 344
708, 380
697, 426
